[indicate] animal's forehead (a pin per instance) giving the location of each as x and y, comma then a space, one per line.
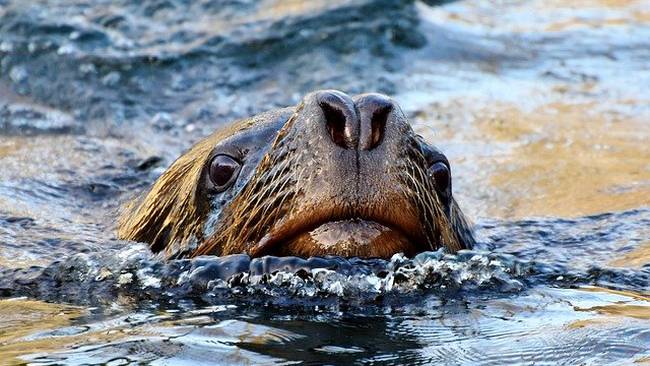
252, 131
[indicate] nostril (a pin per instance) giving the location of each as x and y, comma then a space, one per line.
378, 125
335, 121
338, 117
375, 111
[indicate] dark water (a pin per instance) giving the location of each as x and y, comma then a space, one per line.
542, 107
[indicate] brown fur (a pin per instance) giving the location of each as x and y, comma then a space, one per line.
285, 189
169, 216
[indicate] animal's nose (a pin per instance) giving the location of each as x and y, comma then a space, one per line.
340, 118
357, 124
374, 111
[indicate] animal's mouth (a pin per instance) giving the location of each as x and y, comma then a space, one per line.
353, 236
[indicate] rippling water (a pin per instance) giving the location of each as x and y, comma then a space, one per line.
542, 107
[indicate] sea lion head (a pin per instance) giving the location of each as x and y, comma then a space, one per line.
336, 175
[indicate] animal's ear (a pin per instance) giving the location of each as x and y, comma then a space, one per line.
463, 233
170, 213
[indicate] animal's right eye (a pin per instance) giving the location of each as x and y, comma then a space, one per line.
223, 172
441, 176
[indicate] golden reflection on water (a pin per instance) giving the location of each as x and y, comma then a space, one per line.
557, 159
632, 311
26, 328
636, 258
557, 15
21, 318
625, 305
567, 161
630, 294
572, 143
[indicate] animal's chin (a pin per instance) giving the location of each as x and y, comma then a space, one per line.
353, 237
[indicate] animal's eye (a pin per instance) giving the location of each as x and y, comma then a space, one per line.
223, 172
440, 173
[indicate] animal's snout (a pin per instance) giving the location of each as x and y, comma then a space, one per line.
355, 124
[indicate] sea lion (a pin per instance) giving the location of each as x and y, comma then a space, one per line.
335, 175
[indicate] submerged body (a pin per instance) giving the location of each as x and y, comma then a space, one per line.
336, 175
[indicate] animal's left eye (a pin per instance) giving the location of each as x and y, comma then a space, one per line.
223, 172
442, 177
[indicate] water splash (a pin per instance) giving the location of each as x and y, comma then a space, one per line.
136, 275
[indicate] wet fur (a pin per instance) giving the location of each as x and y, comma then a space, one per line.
171, 217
